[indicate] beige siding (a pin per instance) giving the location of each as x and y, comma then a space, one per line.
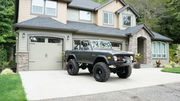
133, 19
25, 11
112, 7
23, 42
163, 60
116, 39
73, 15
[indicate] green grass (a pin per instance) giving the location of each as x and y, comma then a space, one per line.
11, 88
171, 70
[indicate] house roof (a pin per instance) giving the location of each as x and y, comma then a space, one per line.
84, 28
122, 1
43, 23
161, 37
84, 4
87, 28
128, 7
133, 30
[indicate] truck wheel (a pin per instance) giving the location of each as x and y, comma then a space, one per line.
90, 68
101, 72
72, 67
124, 72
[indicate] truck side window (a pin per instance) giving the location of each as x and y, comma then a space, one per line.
76, 45
85, 45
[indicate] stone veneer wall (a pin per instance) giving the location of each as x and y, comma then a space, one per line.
22, 61
133, 45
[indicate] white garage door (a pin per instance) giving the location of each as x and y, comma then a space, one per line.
45, 53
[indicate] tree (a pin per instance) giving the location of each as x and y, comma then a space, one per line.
150, 12
7, 36
170, 24
100, 1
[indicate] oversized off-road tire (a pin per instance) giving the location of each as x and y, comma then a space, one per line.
90, 68
124, 72
101, 72
72, 67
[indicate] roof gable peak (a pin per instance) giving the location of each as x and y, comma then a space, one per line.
103, 5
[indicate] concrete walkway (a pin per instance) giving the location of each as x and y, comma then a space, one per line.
55, 84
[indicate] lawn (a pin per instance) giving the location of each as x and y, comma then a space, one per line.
171, 70
11, 88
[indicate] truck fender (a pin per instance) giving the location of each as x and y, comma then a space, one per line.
71, 56
102, 57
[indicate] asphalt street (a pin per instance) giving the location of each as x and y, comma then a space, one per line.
167, 92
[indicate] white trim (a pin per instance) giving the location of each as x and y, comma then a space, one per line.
84, 19
159, 49
123, 20
108, 18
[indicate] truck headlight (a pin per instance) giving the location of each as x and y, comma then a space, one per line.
115, 58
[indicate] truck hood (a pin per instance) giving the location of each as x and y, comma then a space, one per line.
114, 52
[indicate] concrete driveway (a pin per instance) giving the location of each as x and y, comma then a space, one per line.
55, 84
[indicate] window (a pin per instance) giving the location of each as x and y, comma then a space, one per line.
108, 18
38, 6
85, 45
50, 7
37, 39
54, 40
76, 45
46, 7
85, 15
159, 50
126, 20
116, 46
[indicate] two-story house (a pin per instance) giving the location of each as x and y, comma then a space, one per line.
46, 28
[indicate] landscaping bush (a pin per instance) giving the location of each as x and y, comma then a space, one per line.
7, 71
173, 53
3, 56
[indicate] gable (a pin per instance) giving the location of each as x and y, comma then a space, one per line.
128, 8
109, 3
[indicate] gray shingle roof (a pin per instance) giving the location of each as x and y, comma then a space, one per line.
84, 28
87, 28
161, 37
84, 4
43, 23
129, 7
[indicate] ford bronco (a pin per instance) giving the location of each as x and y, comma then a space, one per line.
100, 59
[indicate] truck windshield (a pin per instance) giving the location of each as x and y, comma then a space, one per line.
100, 44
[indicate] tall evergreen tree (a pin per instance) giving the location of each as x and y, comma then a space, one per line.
170, 24
7, 36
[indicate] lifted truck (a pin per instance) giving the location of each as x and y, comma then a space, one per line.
100, 59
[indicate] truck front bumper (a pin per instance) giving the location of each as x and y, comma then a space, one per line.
118, 64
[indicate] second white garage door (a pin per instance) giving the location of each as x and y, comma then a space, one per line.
45, 53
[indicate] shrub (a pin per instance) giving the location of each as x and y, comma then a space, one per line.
3, 56
7, 71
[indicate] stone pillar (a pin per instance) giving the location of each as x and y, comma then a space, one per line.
133, 45
22, 61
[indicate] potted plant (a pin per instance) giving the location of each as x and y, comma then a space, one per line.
158, 64
137, 58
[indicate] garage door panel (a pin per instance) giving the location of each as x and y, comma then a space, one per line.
46, 56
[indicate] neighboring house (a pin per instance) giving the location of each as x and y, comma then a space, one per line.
45, 29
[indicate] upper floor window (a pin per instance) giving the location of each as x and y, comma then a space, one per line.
108, 18
46, 7
158, 49
126, 20
85, 15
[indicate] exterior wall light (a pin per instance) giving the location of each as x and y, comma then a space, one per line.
68, 37
23, 35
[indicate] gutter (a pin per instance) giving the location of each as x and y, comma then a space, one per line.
47, 28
